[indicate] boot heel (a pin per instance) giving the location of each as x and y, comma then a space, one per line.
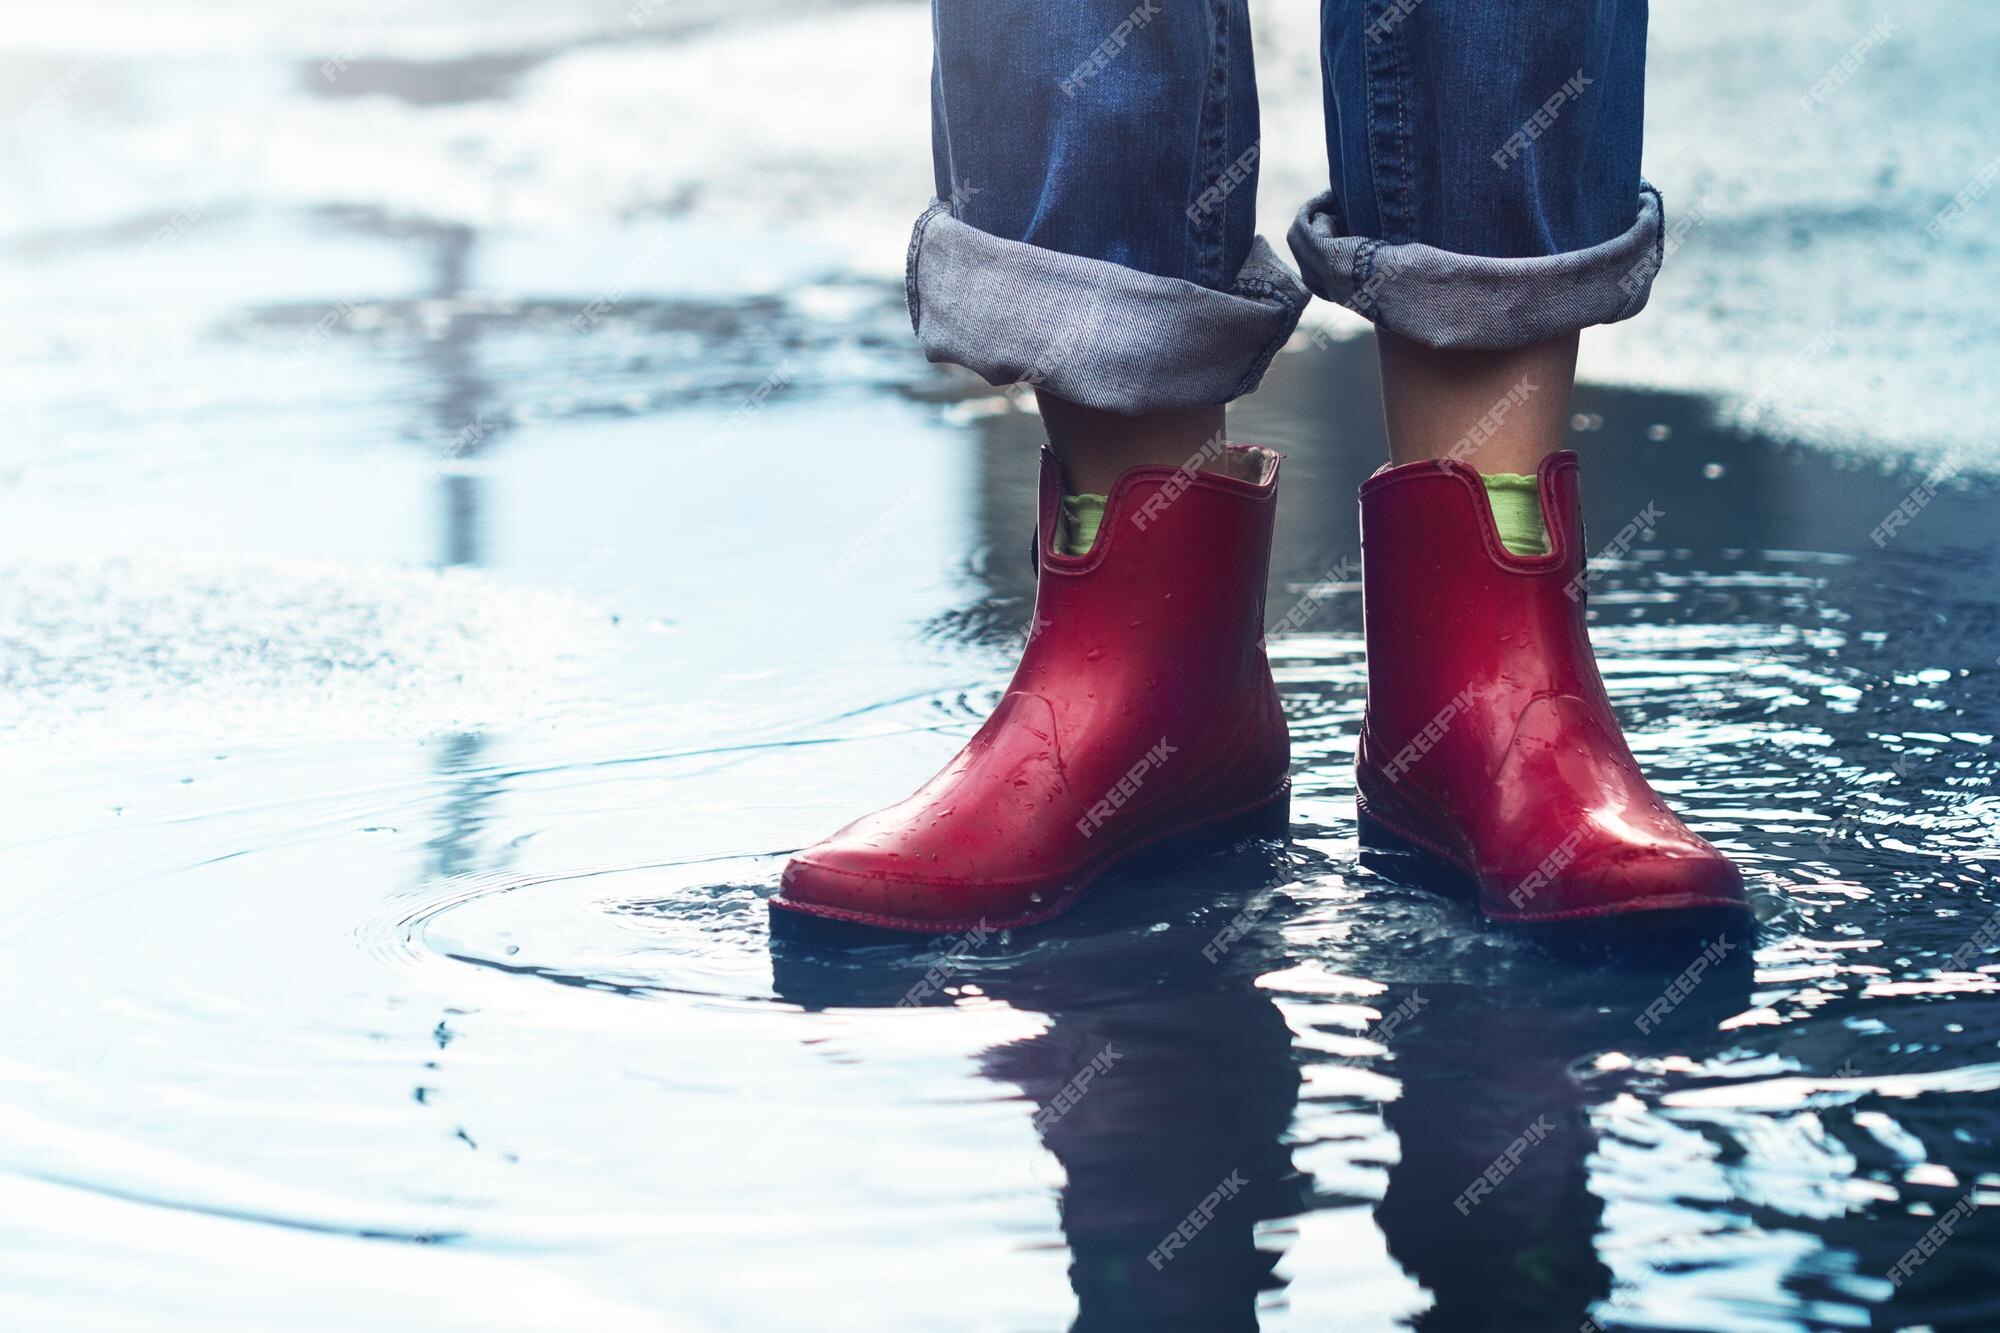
1391, 855
1272, 819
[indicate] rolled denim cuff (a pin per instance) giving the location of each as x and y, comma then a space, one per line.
1442, 299
1090, 331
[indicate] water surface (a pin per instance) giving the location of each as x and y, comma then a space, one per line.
411, 697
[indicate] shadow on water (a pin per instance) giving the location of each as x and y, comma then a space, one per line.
1490, 1206
1161, 1081
1166, 1084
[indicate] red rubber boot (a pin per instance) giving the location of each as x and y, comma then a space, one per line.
1143, 709
1489, 743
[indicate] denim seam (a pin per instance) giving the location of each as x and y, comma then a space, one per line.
1207, 232
1638, 297
911, 297
1277, 295
1255, 374
1445, 299
1388, 141
1363, 273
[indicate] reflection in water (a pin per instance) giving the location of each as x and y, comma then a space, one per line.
464, 413
233, 967
1183, 1137
1189, 1119
1160, 1075
1163, 1084
1491, 1206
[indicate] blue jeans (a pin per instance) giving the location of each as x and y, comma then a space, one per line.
1093, 230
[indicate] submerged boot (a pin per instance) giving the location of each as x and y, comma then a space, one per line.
1143, 709
1489, 744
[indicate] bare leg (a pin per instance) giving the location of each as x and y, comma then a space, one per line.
1095, 446
1498, 411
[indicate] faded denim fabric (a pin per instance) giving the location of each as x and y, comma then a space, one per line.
1484, 165
1093, 229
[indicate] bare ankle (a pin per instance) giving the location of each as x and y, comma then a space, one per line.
1499, 411
1096, 447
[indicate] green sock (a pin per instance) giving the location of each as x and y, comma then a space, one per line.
1081, 515
1517, 511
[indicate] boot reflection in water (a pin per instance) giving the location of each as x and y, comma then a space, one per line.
1093, 234
1172, 1156
1164, 1084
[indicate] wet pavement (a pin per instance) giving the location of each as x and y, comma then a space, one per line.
438, 595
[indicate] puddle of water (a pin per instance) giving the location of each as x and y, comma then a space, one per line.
506, 994
411, 697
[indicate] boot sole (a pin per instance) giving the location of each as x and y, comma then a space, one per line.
1268, 817
1407, 859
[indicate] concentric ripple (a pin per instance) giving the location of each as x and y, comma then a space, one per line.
691, 928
